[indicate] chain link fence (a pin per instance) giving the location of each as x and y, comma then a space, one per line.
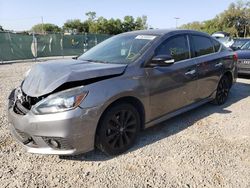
14, 46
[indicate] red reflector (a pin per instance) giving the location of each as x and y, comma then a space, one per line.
235, 57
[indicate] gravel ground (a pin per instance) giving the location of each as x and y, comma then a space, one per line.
206, 147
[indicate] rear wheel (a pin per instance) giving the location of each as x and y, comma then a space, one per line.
118, 129
222, 91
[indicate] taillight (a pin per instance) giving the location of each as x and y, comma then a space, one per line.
235, 57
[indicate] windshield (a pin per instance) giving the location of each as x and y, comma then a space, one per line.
118, 49
246, 46
239, 43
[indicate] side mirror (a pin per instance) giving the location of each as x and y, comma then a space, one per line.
162, 60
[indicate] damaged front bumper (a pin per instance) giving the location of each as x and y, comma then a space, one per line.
66, 133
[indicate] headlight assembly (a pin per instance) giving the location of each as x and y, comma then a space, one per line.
61, 101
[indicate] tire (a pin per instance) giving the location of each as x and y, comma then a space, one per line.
222, 91
118, 129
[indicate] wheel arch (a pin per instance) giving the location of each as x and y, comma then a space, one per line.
135, 102
126, 99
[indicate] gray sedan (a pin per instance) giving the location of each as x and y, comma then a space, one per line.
123, 85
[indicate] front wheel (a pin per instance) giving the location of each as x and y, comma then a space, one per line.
222, 91
118, 129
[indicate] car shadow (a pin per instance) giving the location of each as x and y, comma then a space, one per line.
174, 125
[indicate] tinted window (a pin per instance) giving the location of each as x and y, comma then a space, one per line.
202, 46
217, 45
176, 47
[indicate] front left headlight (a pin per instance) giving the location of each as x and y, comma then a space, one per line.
61, 101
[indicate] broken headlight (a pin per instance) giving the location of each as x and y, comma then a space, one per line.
61, 101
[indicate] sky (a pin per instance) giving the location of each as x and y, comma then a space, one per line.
22, 15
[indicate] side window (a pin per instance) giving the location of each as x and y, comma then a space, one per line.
202, 45
216, 44
176, 47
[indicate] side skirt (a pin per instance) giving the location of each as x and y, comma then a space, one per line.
178, 112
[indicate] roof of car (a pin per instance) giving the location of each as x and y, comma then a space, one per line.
163, 31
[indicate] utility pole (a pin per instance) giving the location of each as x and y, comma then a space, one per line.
176, 22
42, 25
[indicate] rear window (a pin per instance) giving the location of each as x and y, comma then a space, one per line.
202, 45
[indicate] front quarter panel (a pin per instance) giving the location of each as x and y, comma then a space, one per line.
131, 84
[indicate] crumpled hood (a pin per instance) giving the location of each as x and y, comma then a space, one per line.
45, 77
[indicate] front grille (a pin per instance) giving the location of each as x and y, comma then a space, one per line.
24, 102
20, 109
28, 101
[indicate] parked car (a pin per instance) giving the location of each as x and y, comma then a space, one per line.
238, 43
244, 59
226, 41
127, 83
224, 38
220, 34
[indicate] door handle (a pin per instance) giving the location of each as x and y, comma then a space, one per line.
191, 72
218, 64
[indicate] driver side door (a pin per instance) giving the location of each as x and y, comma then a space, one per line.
174, 86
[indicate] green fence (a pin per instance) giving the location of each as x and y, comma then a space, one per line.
20, 46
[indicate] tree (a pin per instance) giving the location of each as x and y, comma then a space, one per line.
141, 23
91, 22
45, 28
212, 26
235, 20
1, 28
111, 26
94, 24
128, 23
114, 26
91, 15
77, 25
194, 25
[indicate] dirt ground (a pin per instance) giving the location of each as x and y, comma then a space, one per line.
206, 147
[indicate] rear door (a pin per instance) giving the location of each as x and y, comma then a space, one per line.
209, 64
174, 86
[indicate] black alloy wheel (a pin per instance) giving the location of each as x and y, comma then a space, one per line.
118, 129
222, 91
